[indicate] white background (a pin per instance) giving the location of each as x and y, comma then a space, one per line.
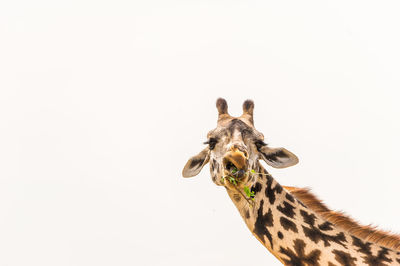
102, 103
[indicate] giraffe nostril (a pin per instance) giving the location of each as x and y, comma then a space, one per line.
230, 166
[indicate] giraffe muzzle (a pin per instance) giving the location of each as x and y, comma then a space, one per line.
236, 162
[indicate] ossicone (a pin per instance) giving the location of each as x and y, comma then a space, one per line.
248, 107
222, 106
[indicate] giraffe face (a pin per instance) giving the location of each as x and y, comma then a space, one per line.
236, 146
232, 147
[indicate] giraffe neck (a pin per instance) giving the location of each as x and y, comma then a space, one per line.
296, 235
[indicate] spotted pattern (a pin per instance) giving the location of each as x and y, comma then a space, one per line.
262, 222
344, 258
256, 188
289, 212
270, 192
287, 209
297, 255
288, 225
380, 259
290, 198
327, 226
316, 235
282, 222
291, 216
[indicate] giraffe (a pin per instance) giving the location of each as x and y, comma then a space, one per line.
292, 223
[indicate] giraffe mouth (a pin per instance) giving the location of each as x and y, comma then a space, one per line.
233, 170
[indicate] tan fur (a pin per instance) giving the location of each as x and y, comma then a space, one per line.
368, 233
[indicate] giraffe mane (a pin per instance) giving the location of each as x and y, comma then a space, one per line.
366, 232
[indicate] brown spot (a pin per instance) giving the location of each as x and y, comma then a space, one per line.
288, 225
327, 226
287, 209
289, 197
237, 197
344, 258
298, 257
262, 222
269, 191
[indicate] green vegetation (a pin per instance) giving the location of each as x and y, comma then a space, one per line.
232, 178
249, 193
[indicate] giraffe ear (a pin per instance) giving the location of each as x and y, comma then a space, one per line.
278, 157
196, 163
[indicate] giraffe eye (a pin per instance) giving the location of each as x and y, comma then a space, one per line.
211, 143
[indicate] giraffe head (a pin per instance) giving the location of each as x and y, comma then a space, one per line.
236, 144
